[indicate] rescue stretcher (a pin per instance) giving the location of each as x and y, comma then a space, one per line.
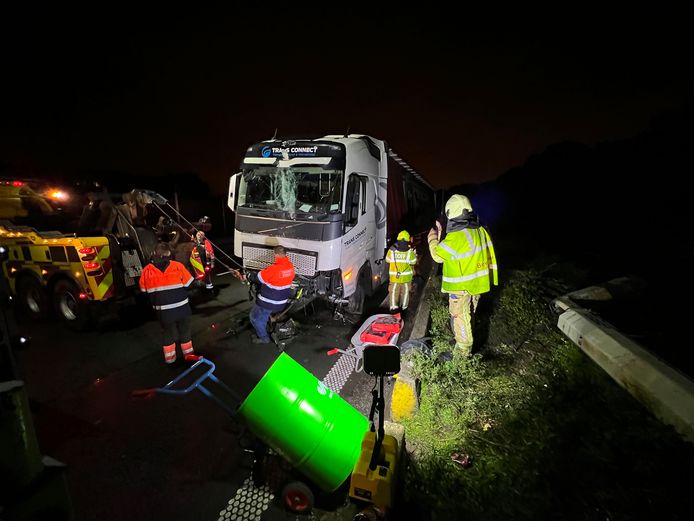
359, 339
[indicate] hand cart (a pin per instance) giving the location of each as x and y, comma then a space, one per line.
289, 412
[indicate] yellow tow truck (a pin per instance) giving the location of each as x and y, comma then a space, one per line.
72, 273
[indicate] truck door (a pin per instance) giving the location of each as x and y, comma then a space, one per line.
359, 231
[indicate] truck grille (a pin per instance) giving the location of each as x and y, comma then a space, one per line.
259, 257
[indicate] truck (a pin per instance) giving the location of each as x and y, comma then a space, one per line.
335, 203
93, 264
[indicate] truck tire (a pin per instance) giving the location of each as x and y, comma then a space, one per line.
32, 298
356, 300
71, 310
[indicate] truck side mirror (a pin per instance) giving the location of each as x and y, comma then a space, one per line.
234, 183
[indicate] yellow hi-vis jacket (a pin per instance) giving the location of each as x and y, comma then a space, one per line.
400, 264
469, 261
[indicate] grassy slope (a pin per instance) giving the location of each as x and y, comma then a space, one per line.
550, 434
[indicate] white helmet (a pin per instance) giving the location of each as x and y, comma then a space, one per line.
456, 205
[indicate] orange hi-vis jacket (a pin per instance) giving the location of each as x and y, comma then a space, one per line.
276, 284
166, 289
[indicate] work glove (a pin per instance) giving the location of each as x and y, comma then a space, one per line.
432, 235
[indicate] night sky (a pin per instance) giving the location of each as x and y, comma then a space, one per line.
174, 92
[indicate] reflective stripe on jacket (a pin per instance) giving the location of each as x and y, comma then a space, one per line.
400, 264
166, 290
276, 284
469, 261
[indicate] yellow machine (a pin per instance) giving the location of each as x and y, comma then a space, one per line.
373, 477
375, 486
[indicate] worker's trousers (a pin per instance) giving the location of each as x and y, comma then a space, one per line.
462, 307
173, 331
259, 319
399, 295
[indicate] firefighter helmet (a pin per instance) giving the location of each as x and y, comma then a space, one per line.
456, 205
404, 236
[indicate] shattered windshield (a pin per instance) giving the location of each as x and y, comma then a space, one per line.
294, 190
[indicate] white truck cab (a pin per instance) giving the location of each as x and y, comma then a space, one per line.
334, 203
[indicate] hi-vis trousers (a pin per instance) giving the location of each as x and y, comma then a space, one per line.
398, 295
462, 307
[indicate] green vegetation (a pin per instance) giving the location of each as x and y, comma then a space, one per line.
550, 435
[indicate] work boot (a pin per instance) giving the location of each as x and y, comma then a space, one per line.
187, 348
258, 340
445, 356
170, 353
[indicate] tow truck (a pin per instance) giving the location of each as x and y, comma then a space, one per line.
98, 264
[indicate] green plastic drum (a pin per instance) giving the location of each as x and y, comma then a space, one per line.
312, 427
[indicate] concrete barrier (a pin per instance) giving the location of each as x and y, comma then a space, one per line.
667, 393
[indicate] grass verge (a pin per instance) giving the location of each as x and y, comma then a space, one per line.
550, 435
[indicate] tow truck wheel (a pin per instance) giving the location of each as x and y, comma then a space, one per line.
32, 298
297, 497
70, 308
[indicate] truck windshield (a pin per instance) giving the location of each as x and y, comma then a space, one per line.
295, 190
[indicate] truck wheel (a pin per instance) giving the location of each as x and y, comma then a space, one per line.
356, 300
32, 298
297, 497
71, 310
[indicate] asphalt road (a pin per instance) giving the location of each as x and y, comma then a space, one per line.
162, 457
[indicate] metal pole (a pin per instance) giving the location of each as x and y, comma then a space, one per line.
178, 213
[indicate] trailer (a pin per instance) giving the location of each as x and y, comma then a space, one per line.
335, 203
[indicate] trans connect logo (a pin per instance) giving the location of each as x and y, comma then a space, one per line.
267, 151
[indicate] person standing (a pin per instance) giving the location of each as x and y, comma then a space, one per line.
275, 291
401, 260
202, 259
165, 281
469, 266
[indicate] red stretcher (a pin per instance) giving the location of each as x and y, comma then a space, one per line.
380, 329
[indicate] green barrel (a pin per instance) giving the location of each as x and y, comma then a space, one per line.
312, 427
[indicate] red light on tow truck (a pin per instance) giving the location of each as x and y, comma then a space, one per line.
17, 183
87, 251
83, 296
91, 265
